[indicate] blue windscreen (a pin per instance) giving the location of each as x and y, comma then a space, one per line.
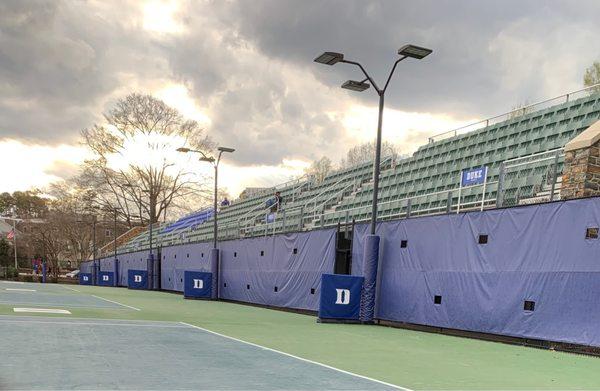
527, 271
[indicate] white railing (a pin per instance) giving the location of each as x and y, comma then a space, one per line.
514, 113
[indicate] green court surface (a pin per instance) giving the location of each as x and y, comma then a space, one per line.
127, 339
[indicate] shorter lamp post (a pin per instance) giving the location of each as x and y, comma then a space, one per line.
215, 258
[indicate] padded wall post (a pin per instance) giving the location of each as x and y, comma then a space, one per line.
156, 273
44, 271
370, 262
214, 269
150, 270
116, 265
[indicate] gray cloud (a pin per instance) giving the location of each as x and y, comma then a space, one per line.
249, 64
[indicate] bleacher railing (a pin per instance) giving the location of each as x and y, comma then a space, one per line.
515, 113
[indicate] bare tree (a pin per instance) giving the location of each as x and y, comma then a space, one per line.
320, 168
366, 153
592, 76
138, 183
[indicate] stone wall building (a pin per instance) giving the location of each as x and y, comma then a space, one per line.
581, 173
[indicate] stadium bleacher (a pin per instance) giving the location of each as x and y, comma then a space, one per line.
527, 144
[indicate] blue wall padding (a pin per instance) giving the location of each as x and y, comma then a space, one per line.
137, 279
214, 271
198, 285
85, 267
136, 261
85, 279
538, 253
177, 259
248, 276
107, 264
340, 296
369, 268
106, 278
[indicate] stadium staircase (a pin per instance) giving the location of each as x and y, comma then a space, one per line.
526, 145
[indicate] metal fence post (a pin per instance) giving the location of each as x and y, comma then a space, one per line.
449, 203
500, 191
301, 222
554, 175
408, 206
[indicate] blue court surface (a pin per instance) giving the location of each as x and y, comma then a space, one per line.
50, 295
85, 353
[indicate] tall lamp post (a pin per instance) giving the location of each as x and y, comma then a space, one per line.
215, 163
332, 58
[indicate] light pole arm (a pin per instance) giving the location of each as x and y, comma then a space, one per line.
392, 72
365, 73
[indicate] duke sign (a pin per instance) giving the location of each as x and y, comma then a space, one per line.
340, 296
474, 176
137, 279
197, 285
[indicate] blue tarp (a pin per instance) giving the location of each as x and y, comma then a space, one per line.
192, 220
177, 259
535, 253
279, 277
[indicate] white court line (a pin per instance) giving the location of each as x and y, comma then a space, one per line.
68, 305
43, 310
70, 323
20, 290
12, 282
116, 302
71, 289
297, 358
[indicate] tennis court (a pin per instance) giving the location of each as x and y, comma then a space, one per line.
126, 339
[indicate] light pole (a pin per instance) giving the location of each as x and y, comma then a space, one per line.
215, 163
332, 58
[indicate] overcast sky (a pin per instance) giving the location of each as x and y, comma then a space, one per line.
245, 70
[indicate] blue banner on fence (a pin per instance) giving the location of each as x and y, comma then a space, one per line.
85, 278
106, 278
137, 279
197, 285
474, 176
340, 296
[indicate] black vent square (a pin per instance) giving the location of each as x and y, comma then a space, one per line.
312, 291
235, 254
591, 233
262, 253
224, 285
529, 305
275, 289
403, 243
188, 255
202, 255
437, 299
295, 251
181, 280
483, 239
248, 286
175, 256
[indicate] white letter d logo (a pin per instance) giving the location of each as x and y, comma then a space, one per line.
137, 278
198, 284
343, 296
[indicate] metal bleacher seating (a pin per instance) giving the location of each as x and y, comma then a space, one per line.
428, 178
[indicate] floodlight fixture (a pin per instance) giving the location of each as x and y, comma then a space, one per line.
183, 149
207, 159
354, 85
329, 58
226, 149
414, 51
